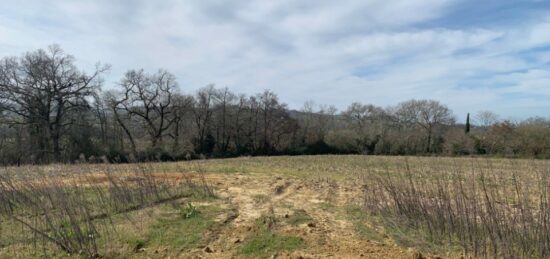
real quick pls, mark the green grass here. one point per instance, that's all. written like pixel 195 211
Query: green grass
pixel 359 218
pixel 299 217
pixel 169 228
pixel 418 238
pixel 400 233
pixel 265 242
pixel 327 206
pixel 182 230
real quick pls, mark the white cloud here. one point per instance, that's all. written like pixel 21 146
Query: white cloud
pixel 331 52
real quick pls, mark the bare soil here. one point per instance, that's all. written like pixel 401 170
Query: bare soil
pixel 329 234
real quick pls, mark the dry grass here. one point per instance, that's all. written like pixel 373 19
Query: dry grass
pixel 488 208
pixel 74 210
pixel 454 206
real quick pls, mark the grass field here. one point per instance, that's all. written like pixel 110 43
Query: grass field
pixel 309 206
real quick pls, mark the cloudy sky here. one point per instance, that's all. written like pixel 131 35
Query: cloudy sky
pixel 471 55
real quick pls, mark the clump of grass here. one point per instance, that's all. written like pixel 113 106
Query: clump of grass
pixel 264 241
pixel 260 198
pixel 189 211
pixel 327 206
pixel 419 238
pixel 356 214
pixel 182 231
pixel 299 217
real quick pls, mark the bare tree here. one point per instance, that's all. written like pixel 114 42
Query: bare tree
pixel 40 89
pixel 427 114
pixel 148 98
pixel 274 121
pixel 486 118
pixel 366 120
pixel 224 106
pixel 182 105
pixel 202 111
pixel 307 118
pixel 121 117
pixel 239 122
pixel 361 115
pixel 326 120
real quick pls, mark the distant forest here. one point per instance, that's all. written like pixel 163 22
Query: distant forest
pixel 52 111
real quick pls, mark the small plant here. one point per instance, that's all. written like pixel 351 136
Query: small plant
pixel 183 231
pixel 189 211
pixel 299 217
pixel 264 241
pixel 138 244
pixel 260 198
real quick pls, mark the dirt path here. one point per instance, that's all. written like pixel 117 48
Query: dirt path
pixel 328 234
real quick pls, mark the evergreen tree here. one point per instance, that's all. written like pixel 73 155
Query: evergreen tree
pixel 467 128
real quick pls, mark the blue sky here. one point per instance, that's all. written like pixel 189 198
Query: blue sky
pixel 471 55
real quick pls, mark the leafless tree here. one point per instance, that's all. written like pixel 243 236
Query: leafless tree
pixel 40 89
pixel 202 111
pixel 182 105
pixel 361 115
pixel 121 117
pixel 148 98
pixel 368 122
pixel 239 132
pixel 325 121
pixel 274 120
pixel 427 114
pixel 307 120
pixel 486 118
pixel 224 102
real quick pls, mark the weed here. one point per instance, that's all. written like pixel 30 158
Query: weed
pixel 182 232
pixel 189 211
pixel 299 217
pixel 356 214
pixel 264 241
pixel 260 198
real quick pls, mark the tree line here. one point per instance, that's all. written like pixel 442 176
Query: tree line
pixel 52 111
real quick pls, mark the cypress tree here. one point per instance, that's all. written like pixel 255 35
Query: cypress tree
pixel 467 128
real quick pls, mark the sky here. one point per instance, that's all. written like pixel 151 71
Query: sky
pixel 470 55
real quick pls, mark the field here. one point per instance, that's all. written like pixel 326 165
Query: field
pixel 284 207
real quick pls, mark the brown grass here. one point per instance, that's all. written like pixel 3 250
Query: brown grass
pixel 73 210
pixel 450 206
pixel 489 208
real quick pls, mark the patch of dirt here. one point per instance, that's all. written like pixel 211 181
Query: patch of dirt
pixel 329 234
